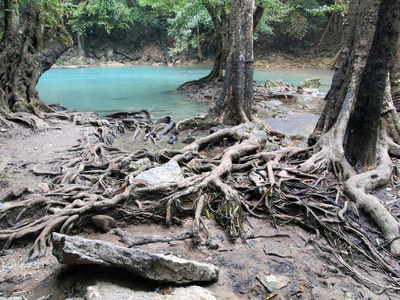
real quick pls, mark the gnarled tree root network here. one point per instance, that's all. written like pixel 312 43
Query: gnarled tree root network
pixel 229 175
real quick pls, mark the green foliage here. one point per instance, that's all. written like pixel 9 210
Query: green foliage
pixel 340 6
pixel 275 12
pixel 295 24
pixel 50 10
pixel 186 21
pixel 301 20
pixel 136 165
pixel 107 15
pixel 182 27
pixel 184 18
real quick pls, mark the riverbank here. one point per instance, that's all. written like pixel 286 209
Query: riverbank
pixel 152 55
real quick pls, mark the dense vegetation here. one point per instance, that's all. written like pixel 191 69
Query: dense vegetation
pixel 286 25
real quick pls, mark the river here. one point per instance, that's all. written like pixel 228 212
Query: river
pixel 110 89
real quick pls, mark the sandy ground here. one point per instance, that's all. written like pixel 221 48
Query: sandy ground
pixel 309 273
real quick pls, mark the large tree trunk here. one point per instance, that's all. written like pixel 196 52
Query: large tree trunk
pixel 361 140
pixel 395 77
pixel 352 132
pixel 220 21
pixel 351 62
pixel 234 106
pixel 221 25
pixel 27 51
pixel 163 39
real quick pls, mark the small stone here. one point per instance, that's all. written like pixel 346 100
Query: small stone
pixel 273 282
pixel 332 269
pixel 172 140
pixel 283 174
pixel 44 187
pixel 274 148
pixel 348 296
pixel 284 143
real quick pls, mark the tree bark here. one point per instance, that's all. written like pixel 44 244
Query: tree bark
pixel 27 51
pixel 359 125
pixel 351 62
pixel 163 38
pixel 258 13
pixel 361 140
pixel 234 106
pixel 11 17
pixel 364 61
pixel 220 21
pixel 395 77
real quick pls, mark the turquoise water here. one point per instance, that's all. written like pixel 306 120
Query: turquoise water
pixel 110 89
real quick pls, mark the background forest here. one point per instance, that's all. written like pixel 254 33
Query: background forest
pixel 120 30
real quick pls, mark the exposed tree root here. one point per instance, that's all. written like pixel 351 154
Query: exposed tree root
pixel 227 175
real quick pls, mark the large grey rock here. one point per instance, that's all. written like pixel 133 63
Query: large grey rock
pixel 75 250
pixel 168 172
pixel 279 86
pixel 309 85
pixel 109 52
pixel 106 291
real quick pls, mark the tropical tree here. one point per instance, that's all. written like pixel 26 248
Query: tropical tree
pixel 187 17
pixel 338 11
pixel 234 105
pixel 188 26
pixel 101 17
pixel 32 42
pixel 358 127
pixel 220 12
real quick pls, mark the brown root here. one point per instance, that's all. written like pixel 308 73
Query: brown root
pixel 227 175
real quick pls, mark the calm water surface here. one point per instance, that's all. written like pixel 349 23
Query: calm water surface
pixel 110 89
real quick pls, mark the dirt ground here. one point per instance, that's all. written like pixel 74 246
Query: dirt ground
pixel 308 272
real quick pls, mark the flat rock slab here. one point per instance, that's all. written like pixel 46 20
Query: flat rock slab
pixel 74 250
